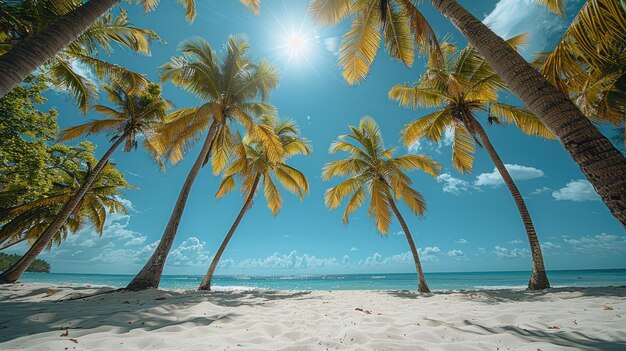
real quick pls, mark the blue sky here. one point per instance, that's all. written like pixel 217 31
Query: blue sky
pixel 471 225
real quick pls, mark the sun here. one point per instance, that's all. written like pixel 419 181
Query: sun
pixel 296 45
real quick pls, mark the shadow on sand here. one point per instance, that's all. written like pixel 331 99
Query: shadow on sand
pixel 88 308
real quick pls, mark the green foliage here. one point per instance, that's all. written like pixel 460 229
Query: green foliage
pixel 6 260
pixel 24 136
pixel 20 20
pixel 36 179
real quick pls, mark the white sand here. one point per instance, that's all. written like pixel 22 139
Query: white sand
pixel 562 319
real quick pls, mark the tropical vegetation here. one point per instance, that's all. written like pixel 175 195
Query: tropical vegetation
pixel 39 266
pixel 137 113
pixel 234 89
pixel 589 62
pixel 551 105
pixel 458 89
pixel 252 164
pixel 50 189
pixel 372 170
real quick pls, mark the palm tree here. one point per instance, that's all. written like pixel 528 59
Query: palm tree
pixel 230 88
pixel 22 20
pixel 24 58
pixel 254 167
pixel 399 22
pixel 27 221
pixel 373 169
pixel 137 114
pixel 459 89
pixel 599 160
pixel 589 62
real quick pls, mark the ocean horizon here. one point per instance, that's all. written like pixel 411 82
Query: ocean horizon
pixel 373 281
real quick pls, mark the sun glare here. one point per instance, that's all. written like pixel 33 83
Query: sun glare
pixel 296 45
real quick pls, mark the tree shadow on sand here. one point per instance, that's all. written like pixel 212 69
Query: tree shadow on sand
pixel 86 309
pixel 493 297
pixel 574 339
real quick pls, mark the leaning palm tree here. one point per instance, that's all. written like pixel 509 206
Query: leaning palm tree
pixel 136 114
pixel 599 160
pixel 33 52
pixel 24 19
pixel 373 170
pixel 458 90
pixel 254 167
pixel 233 90
pixel 589 62
pixel 27 221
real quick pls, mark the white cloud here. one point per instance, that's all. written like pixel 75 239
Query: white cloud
pixel 515 242
pixel 292 261
pixel 517 172
pixel 540 191
pixel 446 140
pixel 513 17
pixel 600 243
pixel 189 252
pixel 457 255
pixel 455 252
pixel 332 44
pixel 550 245
pixel 576 190
pixel 460 241
pixel 510 253
pixel 353 248
pixel 453 185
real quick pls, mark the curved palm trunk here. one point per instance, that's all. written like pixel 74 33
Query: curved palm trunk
pixel 421 285
pixel 206 281
pixel 11 244
pixel 24 58
pixel 600 161
pixel 538 277
pixel 150 275
pixel 14 272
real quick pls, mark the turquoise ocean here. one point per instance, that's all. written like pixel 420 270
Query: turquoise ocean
pixel 392 281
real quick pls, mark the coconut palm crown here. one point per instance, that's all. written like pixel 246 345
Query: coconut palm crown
pixel 458 90
pixel 372 170
pixel 401 24
pixel 252 164
pixel 233 90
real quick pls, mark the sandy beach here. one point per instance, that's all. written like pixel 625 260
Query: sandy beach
pixel 43 317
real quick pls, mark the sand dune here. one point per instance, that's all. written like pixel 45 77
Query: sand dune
pixel 42 317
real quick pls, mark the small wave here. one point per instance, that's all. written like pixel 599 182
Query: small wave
pixel 236 288
pixel 241 277
pixel 500 287
pixel 378 277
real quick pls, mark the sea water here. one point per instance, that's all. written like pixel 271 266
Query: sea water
pixel 391 281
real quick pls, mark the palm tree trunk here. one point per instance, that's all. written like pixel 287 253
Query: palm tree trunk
pixel 538 277
pixel 150 275
pixel 206 281
pixel 14 272
pixel 25 57
pixel 603 165
pixel 11 244
pixel 421 285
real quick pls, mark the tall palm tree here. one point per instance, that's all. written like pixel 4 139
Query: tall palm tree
pixel 589 62
pixel 401 24
pixel 27 221
pixel 599 160
pixel 254 167
pixel 24 58
pixel 373 170
pixel 136 114
pixel 458 90
pixel 233 90
pixel 24 19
